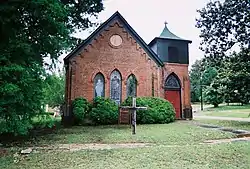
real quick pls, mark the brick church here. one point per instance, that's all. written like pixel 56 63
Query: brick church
pixel 114 61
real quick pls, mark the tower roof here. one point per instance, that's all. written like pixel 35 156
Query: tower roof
pixel 166 33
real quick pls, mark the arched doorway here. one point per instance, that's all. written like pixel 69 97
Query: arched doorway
pixel 173 93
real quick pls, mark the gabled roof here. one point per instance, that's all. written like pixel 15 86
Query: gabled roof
pixel 116 16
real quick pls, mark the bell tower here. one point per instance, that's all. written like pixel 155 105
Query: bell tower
pixel 173 51
pixel 171 48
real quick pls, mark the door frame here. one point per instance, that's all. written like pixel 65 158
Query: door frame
pixel 166 88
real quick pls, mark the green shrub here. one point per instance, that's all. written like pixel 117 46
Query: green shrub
pixel 43 121
pixel 104 111
pixel 159 110
pixel 15 125
pixel 80 108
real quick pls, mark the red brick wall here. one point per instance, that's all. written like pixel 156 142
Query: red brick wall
pixel 129 58
pixel 100 56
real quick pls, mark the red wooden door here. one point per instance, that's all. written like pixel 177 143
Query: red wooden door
pixel 173 97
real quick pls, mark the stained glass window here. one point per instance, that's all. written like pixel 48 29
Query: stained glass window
pixel 115 86
pixel 99 85
pixel 131 86
pixel 172 82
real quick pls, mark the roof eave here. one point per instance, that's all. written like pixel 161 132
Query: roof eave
pixel 189 41
pixel 152 42
pixel 150 52
pixel 89 37
pixel 157 59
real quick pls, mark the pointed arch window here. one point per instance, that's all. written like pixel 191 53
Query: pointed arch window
pixel 99 85
pixel 172 82
pixel 131 86
pixel 115 86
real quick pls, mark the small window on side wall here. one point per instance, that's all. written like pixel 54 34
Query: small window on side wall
pixel 99 85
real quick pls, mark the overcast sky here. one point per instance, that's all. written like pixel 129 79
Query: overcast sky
pixel 147 17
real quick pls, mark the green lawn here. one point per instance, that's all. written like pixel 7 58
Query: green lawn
pixel 176 145
pixel 168 134
pixel 228 111
pixel 223 156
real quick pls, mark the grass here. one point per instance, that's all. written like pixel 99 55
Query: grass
pixel 176 145
pixel 177 133
pixel 225 123
pixel 228 111
pixel 223 156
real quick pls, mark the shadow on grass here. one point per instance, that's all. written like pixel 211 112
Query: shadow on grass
pixel 60 134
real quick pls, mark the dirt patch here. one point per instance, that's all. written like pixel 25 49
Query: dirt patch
pixel 78 147
pixel 239 133
pixel 226 140
pixel 243 135
pixel 3 152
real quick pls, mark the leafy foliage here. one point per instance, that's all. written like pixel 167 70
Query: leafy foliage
pixel 214 94
pixel 104 111
pixel 43 121
pixel 20 97
pixel 206 76
pixel 159 110
pixel 31 31
pixel 80 108
pixel 201 74
pixel 232 78
pixel 235 77
pixel 195 76
pixel 209 75
pixel 37 29
pixel 54 86
pixel 223 25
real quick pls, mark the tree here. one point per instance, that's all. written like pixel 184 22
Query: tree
pixel 53 89
pixel 214 94
pixel 235 77
pixel 30 31
pixel 209 75
pixel 204 81
pixel 223 25
pixel 212 86
pixel 195 74
pixel 20 97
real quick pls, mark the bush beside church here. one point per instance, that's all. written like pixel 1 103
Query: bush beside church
pixel 104 111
